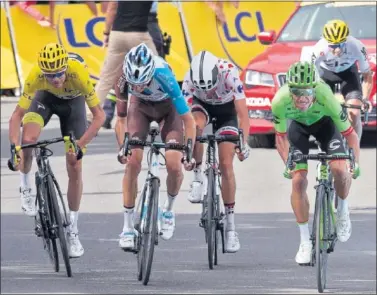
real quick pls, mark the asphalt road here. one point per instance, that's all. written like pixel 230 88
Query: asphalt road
pixel 268 233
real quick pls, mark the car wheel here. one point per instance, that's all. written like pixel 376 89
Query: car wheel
pixel 266 141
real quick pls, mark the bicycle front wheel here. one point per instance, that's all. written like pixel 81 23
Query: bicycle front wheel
pixel 139 230
pixel 60 220
pixel 44 221
pixel 150 231
pixel 322 237
pixel 210 222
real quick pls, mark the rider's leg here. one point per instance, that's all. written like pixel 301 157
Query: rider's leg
pixel 201 119
pixel 172 132
pixel 72 119
pixel 34 120
pixel 138 126
pixel 228 192
pixel 354 116
pixel 298 136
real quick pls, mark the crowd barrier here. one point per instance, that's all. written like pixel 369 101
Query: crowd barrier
pixel 192 25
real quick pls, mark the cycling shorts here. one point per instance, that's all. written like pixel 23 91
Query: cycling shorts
pixel 71 112
pixel 324 131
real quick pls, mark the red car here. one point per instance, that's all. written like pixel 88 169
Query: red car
pixel 266 73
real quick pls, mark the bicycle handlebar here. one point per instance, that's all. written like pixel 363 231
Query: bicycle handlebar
pixel 321 156
pixel 364 108
pixel 39 144
pixel 124 151
pixel 221 138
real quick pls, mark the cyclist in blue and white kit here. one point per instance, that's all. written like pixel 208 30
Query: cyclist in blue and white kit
pixel 155 96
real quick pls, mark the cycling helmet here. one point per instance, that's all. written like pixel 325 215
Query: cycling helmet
pixel 302 74
pixel 53 58
pixel 336 31
pixel 139 65
pixel 204 71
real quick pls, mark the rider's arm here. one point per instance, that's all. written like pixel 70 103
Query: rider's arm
pixel 280 124
pixel 169 84
pixel 22 106
pixel 240 103
pixel 86 88
pixel 339 116
pixel 121 92
pixel 364 68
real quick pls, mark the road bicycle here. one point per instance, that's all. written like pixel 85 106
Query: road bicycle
pixel 212 216
pixel 323 236
pixel 148 220
pixel 52 220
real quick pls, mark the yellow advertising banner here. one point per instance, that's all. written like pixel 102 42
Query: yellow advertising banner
pixel 81 32
pixel 8 74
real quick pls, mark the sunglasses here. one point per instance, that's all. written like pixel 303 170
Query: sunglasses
pixel 302 92
pixel 54 75
pixel 335 46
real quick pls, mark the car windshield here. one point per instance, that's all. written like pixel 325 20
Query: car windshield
pixel 308 21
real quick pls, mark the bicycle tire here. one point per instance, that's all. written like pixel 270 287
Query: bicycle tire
pixel 59 222
pixel 45 221
pixel 321 236
pixel 210 222
pixel 138 241
pixel 149 237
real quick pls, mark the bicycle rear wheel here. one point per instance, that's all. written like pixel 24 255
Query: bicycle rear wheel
pixel 60 220
pixel 150 231
pixel 322 237
pixel 44 223
pixel 210 222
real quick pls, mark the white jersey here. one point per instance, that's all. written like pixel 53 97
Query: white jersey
pixel 353 51
pixel 229 87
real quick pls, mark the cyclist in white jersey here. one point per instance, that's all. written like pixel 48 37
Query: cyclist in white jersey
pixel 335 56
pixel 213 88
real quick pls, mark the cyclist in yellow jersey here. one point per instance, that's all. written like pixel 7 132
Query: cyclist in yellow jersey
pixel 60 85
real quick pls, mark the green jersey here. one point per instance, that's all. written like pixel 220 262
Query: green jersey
pixel 325 104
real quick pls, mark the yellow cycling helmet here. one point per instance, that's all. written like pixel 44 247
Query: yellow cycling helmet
pixel 52 58
pixel 336 31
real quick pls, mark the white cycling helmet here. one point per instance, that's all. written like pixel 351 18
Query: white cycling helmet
pixel 204 71
pixel 139 65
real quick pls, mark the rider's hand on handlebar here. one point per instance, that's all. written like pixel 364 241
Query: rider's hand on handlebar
pixel 287 173
pixel 14 164
pixel 188 166
pixel 355 171
pixel 121 157
pixel 244 153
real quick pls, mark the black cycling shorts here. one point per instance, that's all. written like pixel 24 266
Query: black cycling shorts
pixel 225 114
pixel 71 112
pixel 349 80
pixel 325 133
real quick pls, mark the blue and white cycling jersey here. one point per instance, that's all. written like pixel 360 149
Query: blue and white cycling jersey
pixel 163 86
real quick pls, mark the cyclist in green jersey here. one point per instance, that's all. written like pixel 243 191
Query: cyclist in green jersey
pixel 312 109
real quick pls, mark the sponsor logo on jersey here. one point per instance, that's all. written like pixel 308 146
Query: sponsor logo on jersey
pixel 343 115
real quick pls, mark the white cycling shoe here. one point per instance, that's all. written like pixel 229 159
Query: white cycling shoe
pixel 127 239
pixel 343 226
pixel 167 224
pixel 28 202
pixel 232 243
pixel 304 253
pixel 75 249
pixel 196 192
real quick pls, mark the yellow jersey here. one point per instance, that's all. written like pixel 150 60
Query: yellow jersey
pixel 77 83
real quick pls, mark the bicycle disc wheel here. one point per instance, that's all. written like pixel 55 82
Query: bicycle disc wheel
pixel 149 236
pixel 321 242
pixel 139 239
pixel 59 219
pixel 210 222
pixel 45 221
